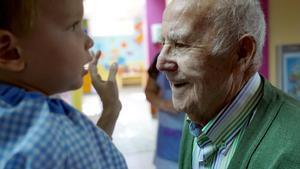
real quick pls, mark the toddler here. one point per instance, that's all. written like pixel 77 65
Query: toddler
pixel 43 51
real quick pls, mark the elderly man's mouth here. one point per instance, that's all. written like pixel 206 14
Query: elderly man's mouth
pixel 178 85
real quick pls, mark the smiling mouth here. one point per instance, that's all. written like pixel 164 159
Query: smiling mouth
pixel 86 67
pixel 177 85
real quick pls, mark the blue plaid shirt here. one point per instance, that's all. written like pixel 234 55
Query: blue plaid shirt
pixel 37 132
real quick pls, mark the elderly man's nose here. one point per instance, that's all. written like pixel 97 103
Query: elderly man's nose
pixel 166 65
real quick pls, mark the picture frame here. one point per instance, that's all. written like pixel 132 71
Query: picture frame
pixel 289 69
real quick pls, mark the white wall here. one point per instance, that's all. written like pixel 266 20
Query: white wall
pixel 112 17
pixel 284 29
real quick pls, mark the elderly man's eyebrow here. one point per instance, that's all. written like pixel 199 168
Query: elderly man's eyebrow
pixel 177 38
pixel 171 38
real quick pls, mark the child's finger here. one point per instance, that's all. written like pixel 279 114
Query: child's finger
pixel 112 72
pixel 93 65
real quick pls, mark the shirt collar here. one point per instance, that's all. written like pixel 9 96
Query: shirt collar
pixel 231 118
pixel 13 96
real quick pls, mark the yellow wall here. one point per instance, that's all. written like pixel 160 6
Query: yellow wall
pixel 284 29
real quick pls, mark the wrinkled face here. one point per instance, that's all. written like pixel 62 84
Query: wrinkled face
pixel 201 83
pixel 56 49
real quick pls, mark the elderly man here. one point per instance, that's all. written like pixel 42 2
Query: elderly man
pixel 211 53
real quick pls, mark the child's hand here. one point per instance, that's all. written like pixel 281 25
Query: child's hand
pixel 108 92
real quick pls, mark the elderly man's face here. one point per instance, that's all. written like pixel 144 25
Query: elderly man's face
pixel 200 82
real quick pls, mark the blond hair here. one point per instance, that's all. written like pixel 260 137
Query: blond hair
pixel 17 16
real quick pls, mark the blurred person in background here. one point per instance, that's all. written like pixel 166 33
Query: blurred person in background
pixel 170 121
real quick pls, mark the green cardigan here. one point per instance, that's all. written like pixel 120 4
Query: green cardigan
pixel 271 141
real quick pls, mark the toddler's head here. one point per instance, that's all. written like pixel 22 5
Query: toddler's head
pixel 42 44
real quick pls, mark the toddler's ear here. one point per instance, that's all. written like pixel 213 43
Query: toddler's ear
pixel 10 58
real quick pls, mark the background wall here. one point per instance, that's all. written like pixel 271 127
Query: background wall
pixel 117 31
pixel 264 70
pixel 284 26
pixel 153 15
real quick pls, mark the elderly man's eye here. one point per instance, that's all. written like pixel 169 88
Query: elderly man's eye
pixel 181 45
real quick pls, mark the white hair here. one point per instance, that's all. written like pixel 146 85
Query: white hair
pixel 231 19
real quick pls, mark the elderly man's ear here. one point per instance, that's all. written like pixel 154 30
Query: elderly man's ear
pixel 10 58
pixel 246 50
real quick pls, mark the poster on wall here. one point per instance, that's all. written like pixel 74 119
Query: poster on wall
pixel 126 50
pixel 289 69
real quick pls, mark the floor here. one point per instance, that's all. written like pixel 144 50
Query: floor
pixel 135 132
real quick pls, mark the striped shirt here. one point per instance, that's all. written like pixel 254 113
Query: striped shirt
pixel 215 143
pixel 37 132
